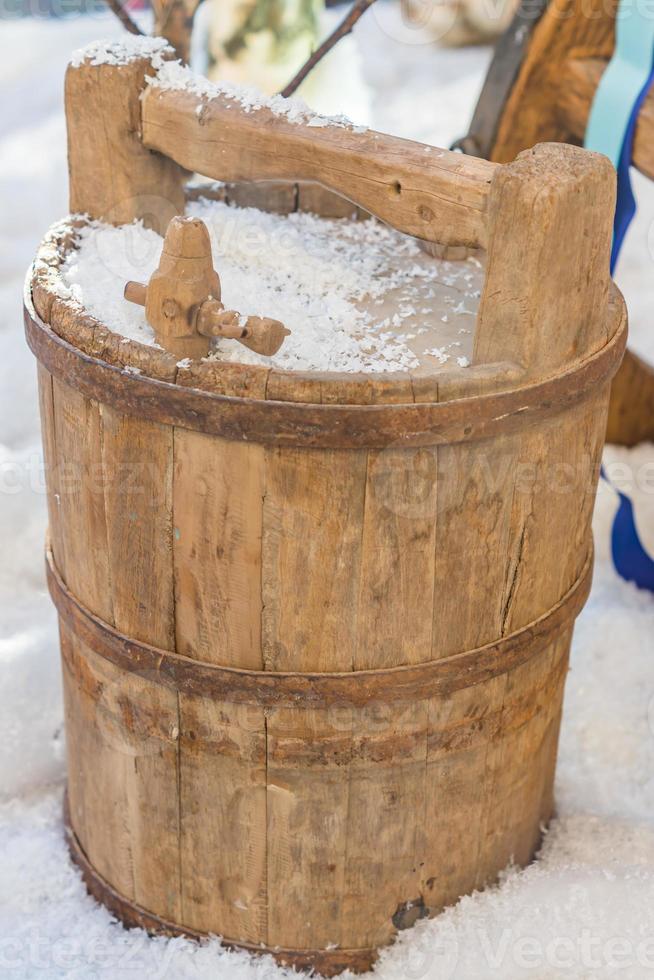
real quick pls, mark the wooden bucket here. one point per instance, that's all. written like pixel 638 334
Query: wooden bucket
pixel 315 628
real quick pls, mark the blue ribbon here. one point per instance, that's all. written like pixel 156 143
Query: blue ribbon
pixel 629 557
pixel 626 202
pixel 611 127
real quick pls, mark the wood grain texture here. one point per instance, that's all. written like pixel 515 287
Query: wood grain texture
pixel 122 753
pixel 433 194
pixel 137 460
pixel 222 803
pixel 631 411
pixel 311 558
pixel 551 100
pixel 579 80
pixel 540 219
pixel 568 28
pixel 234 769
pixel 218 492
pixel 398 546
pixel 112 176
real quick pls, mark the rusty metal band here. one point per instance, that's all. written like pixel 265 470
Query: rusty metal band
pixel 304 425
pixel 327 963
pixel 318 690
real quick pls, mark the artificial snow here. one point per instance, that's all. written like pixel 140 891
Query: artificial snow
pixel 129 47
pixel 349 291
pixel 584 910
pixel 174 76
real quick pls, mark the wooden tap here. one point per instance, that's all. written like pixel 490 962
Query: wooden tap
pixel 182 300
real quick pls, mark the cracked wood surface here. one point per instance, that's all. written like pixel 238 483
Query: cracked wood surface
pixel 430 193
pixel 314 826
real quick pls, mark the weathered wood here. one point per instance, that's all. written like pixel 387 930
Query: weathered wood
pixel 113 177
pixel 550 99
pixel 222 802
pixel 218 492
pixel 313 512
pixel 345 618
pixel 541 219
pixel 331 426
pixel 182 299
pixel 398 545
pixel 137 462
pixel 325 690
pixel 631 413
pixel 568 28
pixel 430 193
pixel 577 87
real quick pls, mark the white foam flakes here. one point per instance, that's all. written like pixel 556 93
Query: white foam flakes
pixel 120 52
pixel 173 76
pixel 322 278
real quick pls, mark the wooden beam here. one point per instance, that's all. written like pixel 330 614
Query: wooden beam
pixel 112 177
pixel 432 194
pixel 579 81
pixel 547 276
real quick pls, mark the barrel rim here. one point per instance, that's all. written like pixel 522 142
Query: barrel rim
pixel 234 378
pixel 324 426
pixel 326 962
pixel 257 382
pixel 355 689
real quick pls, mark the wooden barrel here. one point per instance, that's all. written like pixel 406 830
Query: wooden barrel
pixel 315 628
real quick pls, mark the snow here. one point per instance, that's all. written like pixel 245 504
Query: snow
pixel 174 76
pixel 346 290
pixel 129 47
pixel 585 908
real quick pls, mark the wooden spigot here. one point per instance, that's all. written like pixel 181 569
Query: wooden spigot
pixel 182 300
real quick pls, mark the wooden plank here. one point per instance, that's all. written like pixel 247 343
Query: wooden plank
pixel 386 809
pixel 472 541
pixel 430 193
pixel 308 803
pixel 137 458
pixel 396 591
pixel 223 818
pixel 312 517
pixel 557 469
pixel 461 728
pixel 519 766
pixel 78 439
pixel 122 731
pixel 218 502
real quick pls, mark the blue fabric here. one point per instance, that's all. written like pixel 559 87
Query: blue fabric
pixel 611 128
pixel 631 560
pixel 622 83
pixel 626 202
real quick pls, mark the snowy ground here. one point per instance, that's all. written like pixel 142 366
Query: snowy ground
pixel 585 908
